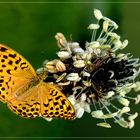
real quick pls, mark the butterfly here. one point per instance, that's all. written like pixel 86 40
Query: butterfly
pixel 25 92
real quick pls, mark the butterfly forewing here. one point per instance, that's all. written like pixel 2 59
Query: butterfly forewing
pixel 15 72
pixel 13 63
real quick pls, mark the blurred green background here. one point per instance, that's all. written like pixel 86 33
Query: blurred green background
pixel 29 28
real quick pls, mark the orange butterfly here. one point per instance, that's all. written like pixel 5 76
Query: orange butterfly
pixel 26 93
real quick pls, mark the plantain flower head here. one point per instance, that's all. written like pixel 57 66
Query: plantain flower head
pixel 97 79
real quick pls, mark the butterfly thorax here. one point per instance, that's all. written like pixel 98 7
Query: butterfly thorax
pixel 42 76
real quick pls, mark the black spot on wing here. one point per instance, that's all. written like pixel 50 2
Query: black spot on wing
pixel 10 62
pixel 24 65
pixel 8 71
pixel 12 55
pixel 2 60
pixel 18 61
pixel 1 81
pixel 15 68
pixel 3 65
pixel 46 105
pixel 2 49
pixel 58 97
pixel 5 56
pixel 63 101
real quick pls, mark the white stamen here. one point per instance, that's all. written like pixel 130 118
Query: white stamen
pixel 51 68
pixel 137 88
pixel 75 47
pixel 124 44
pixel 79 63
pixel 73 77
pixel 97 113
pixel 94 44
pixel 122 122
pixel 109 94
pixel 110 115
pixel 106 125
pixel 124 101
pixel 83 97
pixel 122 56
pixel 137 99
pixel 48 119
pixel 111 22
pixel 64 54
pixel 98 15
pixel 78 50
pixel 105 26
pixel 86 74
pixel 113 35
pixel 60 66
pixel 64 84
pixel 112 73
pixel 61 77
pixel 122 93
pixel 87 107
pixel 87 56
pixel 93 26
pixel 105 47
pixel 61 40
pixel 86 83
pixel 101 40
pixel 97 51
pixel 114 24
pixel 79 112
pixel 131 124
pixel 133 116
pixel 124 110
pixel 72 99
pixel 117 45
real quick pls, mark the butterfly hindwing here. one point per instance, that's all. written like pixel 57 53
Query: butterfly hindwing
pixel 47 101
pixel 28 104
pixel 55 104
